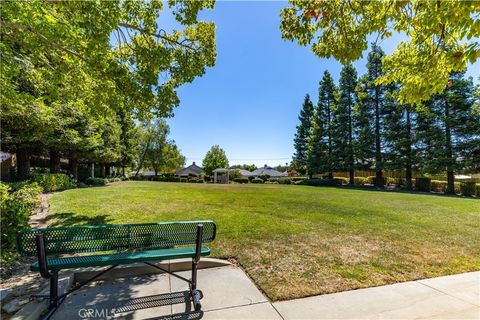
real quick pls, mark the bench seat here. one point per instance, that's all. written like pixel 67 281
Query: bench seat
pixel 56 264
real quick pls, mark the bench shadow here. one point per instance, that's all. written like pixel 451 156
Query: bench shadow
pixel 71 219
pixel 119 299
pixel 181 316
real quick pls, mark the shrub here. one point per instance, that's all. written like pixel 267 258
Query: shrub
pixel 96 181
pixel 192 180
pixel 207 178
pixel 183 179
pixel 341 180
pixel 390 181
pixel 438 186
pixel 423 184
pixel 322 182
pixel 257 181
pixel 457 187
pixel 29 194
pixel 296 179
pixel 467 188
pixel 359 180
pixel 16 208
pixel 371 180
pixel 264 177
pixel 241 180
pixel 284 181
pixel 271 181
pixel 234 174
pixel 53 181
pixel 477 189
pixel 82 185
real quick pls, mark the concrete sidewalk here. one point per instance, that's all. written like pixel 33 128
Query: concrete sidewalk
pixel 230 294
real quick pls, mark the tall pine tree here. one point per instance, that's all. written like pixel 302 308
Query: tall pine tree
pixel 449 131
pixel 370 109
pixel 399 123
pixel 302 135
pixel 364 144
pixel 344 121
pixel 320 157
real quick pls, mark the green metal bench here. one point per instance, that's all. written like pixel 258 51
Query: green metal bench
pixel 130 243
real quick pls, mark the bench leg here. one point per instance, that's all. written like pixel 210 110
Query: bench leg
pixel 53 291
pixel 193 287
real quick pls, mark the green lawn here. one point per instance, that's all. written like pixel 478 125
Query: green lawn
pixel 296 241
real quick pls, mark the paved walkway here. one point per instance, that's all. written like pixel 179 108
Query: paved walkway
pixel 230 294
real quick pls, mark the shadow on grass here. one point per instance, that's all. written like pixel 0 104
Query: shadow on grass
pixel 70 219
pixel 401 191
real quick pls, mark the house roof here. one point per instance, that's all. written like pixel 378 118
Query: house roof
pixel 191 169
pixel 243 172
pixel 268 171
pixel 4 156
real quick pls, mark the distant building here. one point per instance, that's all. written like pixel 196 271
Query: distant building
pixel 268 171
pixel 191 170
pixel 244 173
pixel 7 161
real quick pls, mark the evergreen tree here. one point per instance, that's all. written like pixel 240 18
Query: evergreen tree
pixel 301 137
pixel 371 109
pixel 344 120
pixel 449 131
pixel 376 99
pixel 320 145
pixel 399 120
pixel 364 144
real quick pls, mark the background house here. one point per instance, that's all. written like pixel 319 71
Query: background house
pixel 268 171
pixel 191 170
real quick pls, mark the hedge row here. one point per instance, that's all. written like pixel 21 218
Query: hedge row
pixel 423 184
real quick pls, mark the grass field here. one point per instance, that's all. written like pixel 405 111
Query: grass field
pixel 296 241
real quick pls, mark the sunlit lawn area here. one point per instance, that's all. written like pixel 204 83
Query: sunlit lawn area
pixel 296 241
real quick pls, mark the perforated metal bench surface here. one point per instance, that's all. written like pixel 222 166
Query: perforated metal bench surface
pixel 114 245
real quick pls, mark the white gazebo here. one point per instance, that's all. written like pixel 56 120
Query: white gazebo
pixel 221 179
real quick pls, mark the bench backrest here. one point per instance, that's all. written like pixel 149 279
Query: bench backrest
pixel 114 237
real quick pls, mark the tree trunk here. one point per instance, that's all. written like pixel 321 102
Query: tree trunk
pixel 449 152
pixel 408 153
pixel 378 153
pixel 102 170
pixel 107 170
pixel 73 167
pixel 123 171
pixel 23 163
pixel 350 147
pixel 330 149
pixel 142 160
pixel 54 161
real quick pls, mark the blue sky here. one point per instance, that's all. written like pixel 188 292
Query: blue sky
pixel 249 102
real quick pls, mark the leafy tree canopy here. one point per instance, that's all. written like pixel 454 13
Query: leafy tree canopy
pixel 215 158
pixel 442 37
pixel 110 53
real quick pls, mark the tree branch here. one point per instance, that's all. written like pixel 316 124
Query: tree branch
pixel 41 36
pixel 157 35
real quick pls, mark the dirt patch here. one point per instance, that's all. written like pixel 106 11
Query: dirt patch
pixel 39 217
